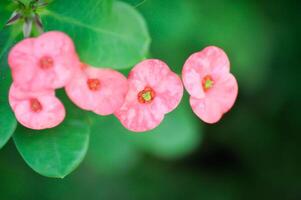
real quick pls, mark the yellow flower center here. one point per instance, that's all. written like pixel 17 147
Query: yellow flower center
pixel 207 83
pixel 147 95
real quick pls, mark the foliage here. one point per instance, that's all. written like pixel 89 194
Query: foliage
pixel 253 153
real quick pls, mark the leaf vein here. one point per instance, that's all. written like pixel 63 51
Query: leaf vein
pixel 78 23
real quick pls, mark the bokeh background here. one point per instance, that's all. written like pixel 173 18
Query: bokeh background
pixel 252 153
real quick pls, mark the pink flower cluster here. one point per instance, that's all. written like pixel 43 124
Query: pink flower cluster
pixel 140 102
pixel 39 66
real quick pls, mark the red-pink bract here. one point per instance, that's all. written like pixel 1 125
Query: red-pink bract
pixel 45 62
pixel 207 78
pixel 36 110
pixel 99 90
pixel 154 90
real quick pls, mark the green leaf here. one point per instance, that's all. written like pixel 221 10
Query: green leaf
pixel 8 121
pixel 110 150
pixel 117 39
pixel 178 135
pixel 58 151
pixel 8 35
pixel 6 9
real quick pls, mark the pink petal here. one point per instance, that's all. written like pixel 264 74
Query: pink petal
pixel 207 110
pixel 105 101
pixel 157 75
pixel 25 58
pixel 16 94
pixel 138 118
pixel 51 115
pixel 218 100
pixel 198 65
pixel 53 43
pixel 169 92
pixel 22 61
pixel 224 92
pixel 168 89
pixel 149 72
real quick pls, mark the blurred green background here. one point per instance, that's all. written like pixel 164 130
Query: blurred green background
pixel 252 153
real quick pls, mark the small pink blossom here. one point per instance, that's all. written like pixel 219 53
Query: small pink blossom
pixel 97 89
pixel 36 110
pixel 154 90
pixel 207 78
pixel 46 62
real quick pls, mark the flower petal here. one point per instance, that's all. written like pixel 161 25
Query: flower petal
pixel 26 57
pixel 22 62
pixel 16 94
pixel 149 72
pixel 206 110
pixel 224 92
pixel 167 88
pixel 53 43
pixel 198 65
pixel 51 114
pixel 105 101
pixel 60 48
pixel 169 92
pixel 218 100
pixel 138 118
pixel 157 75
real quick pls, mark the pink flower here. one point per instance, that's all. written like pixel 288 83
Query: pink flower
pixel 44 62
pixel 154 90
pixel 207 78
pixel 36 110
pixel 96 89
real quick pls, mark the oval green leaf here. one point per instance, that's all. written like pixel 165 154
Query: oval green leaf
pixel 110 151
pixel 6 9
pixel 8 37
pixel 58 151
pixel 8 121
pixel 118 38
